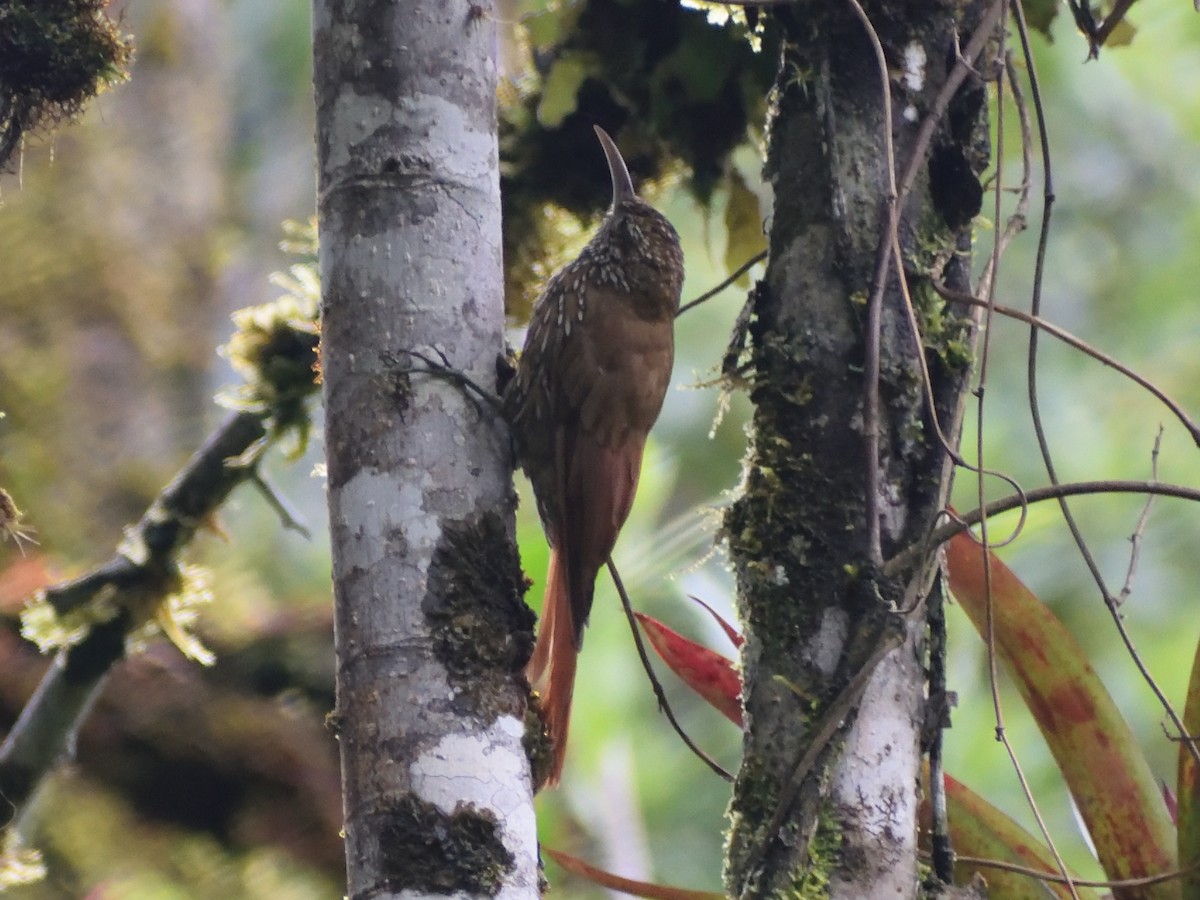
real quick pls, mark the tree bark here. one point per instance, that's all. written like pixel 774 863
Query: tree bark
pixel 431 630
pixel 825 801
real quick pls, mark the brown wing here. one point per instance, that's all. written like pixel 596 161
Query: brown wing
pixel 614 377
pixel 588 388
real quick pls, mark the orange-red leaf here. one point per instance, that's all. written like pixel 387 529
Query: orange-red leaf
pixel 1096 752
pixel 613 882
pixel 730 632
pixel 705 671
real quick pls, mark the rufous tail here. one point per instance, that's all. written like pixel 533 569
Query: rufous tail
pixel 551 669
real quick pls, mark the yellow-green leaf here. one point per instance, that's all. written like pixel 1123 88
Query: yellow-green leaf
pixel 1121 35
pixel 562 84
pixel 1188 788
pixel 743 226
pixel 1101 762
pixel 980 830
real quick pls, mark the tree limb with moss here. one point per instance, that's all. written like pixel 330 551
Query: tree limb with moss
pixel 92 621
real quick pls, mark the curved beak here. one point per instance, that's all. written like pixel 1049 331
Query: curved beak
pixel 622 185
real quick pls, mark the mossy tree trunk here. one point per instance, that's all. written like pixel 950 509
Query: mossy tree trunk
pixel 825 801
pixel 431 630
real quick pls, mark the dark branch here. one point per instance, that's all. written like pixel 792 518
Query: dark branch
pixel 48 724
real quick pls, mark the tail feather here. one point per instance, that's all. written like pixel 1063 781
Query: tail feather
pixel 551 669
pixel 535 669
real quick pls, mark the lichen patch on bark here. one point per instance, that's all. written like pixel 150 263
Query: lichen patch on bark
pixel 427 850
pixel 479 621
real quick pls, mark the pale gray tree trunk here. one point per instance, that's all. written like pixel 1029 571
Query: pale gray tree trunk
pixel 826 799
pixel 431 629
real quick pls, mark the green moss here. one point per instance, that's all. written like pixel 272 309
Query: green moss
pixel 275 349
pixel 54 57
pixel 42 624
pixel 539 749
pixel 19 865
pixel 824 854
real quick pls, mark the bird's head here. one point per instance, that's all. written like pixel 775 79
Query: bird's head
pixel 636 230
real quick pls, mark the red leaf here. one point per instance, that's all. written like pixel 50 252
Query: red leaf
pixel 730 632
pixel 705 671
pixel 613 882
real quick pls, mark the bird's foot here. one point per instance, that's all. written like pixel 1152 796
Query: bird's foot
pixel 442 368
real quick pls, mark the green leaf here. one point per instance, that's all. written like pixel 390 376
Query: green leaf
pixel 562 84
pixel 549 27
pixel 1039 14
pixel 1121 35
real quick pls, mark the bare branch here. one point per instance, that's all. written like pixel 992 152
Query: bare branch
pixel 734 276
pixel 655 685
pixel 963 521
pixel 1079 344
pixel 1139 530
pixel 53 715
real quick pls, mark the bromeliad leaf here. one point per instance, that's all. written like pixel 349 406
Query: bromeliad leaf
pixel 1105 770
pixel 705 671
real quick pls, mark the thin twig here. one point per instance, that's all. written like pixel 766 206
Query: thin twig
pixel 897 198
pixel 1083 346
pixel 980 393
pixel 1081 12
pixel 1035 411
pixel 655 685
pixel 1019 220
pixel 963 521
pixel 709 294
pixel 875 303
pixel 287 515
pixel 1139 530
pixel 1041 875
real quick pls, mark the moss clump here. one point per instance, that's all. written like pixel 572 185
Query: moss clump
pixel 55 55
pixel 275 348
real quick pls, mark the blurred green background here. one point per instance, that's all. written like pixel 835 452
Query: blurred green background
pixel 127 239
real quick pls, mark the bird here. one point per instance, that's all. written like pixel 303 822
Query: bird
pixel 589 385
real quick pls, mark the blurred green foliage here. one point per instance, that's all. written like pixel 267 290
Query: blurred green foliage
pixel 679 94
